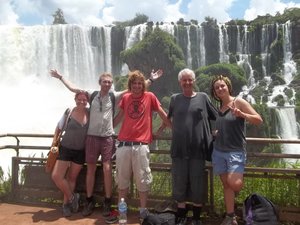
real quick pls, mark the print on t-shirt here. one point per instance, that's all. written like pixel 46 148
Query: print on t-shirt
pixel 136 109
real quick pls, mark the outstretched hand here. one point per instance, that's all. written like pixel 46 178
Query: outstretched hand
pixel 156 75
pixel 55 74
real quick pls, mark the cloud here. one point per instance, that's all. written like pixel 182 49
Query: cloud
pixel 7 14
pixel 173 13
pixel 102 12
pixel 156 10
pixel 212 8
pixel 260 8
pixel 83 12
pixel 40 11
pixel 167 11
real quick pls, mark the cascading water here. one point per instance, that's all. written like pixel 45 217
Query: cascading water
pixel 202 51
pixel 288 128
pixel 189 57
pixel 286 114
pixel 33 101
pixel 243 61
pixel 223 43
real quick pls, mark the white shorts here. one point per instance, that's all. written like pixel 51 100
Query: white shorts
pixel 133 160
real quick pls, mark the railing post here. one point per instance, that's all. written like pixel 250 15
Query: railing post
pixel 15 176
pixel 18 146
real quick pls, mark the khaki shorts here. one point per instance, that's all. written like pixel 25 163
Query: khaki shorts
pixel 133 160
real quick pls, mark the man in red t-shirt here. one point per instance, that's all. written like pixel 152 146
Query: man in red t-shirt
pixel 132 156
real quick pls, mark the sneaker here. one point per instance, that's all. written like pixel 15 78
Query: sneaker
pixel 66 210
pixel 75 202
pixel 88 208
pixel 181 221
pixel 113 217
pixel 106 209
pixel 229 221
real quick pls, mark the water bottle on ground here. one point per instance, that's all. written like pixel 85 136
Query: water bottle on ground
pixel 122 212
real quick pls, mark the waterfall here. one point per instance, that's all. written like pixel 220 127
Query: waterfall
pixel 289 68
pixel 244 57
pixel 189 57
pixel 288 128
pixel 167 27
pixel 201 41
pixel 223 43
pixel 244 61
pixel 35 101
pixel 289 65
pixel 134 34
pixel 287 118
pixel 266 36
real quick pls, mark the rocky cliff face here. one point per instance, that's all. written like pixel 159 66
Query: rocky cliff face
pixel 296 42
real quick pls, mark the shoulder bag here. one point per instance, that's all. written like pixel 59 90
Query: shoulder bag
pixel 54 150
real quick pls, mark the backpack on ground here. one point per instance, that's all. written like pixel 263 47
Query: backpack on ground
pixel 258 210
pixel 164 214
pixel 159 219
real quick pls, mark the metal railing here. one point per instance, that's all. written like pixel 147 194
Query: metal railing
pixel 164 167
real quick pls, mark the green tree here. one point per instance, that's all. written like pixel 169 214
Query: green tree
pixel 58 17
pixel 205 74
pixel 157 50
pixel 138 19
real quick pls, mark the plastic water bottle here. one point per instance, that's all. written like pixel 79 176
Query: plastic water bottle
pixel 122 212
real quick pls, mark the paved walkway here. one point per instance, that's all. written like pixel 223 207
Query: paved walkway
pixel 25 214
pixel 18 214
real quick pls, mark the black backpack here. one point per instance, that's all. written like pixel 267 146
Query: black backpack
pixel 112 99
pixel 159 219
pixel 258 210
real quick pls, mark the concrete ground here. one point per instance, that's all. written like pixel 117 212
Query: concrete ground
pixel 26 214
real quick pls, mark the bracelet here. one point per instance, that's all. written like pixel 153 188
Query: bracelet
pixel 60 77
pixel 151 80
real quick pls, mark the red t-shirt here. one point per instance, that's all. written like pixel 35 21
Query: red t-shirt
pixel 137 123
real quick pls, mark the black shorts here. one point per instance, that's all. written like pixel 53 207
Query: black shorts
pixel 76 156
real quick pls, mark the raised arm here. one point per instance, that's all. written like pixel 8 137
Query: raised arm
pixel 243 109
pixel 67 83
pixel 154 76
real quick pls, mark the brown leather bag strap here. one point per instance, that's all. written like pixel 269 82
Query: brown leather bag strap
pixel 67 115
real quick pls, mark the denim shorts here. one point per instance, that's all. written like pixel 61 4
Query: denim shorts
pixel 228 162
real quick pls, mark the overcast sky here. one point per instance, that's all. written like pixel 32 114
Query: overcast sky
pixel 104 12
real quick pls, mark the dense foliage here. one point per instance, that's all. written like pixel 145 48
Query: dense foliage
pixel 157 50
pixel 233 71
pixel 138 19
pixel 58 17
